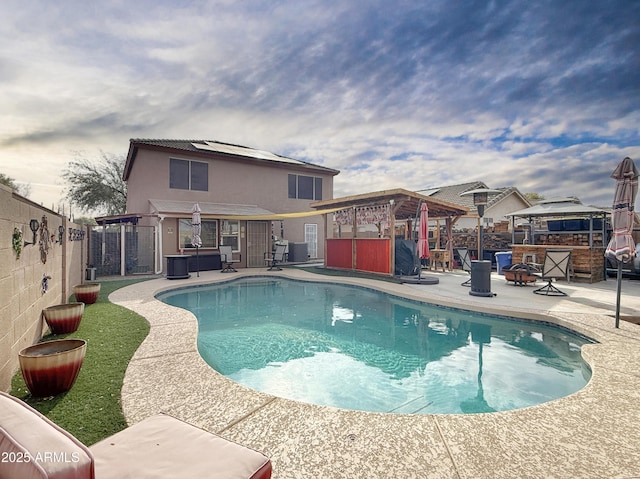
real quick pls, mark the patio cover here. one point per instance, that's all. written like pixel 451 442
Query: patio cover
pixel 225 211
pixel 558 207
pixel 405 204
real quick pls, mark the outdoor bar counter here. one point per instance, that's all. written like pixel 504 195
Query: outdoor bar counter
pixel 586 263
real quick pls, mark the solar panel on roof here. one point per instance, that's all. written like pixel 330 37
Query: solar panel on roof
pixel 244 151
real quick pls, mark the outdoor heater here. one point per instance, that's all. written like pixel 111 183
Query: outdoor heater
pixel 480 269
pixel 480 200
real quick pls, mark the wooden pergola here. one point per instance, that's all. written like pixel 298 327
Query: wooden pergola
pixel 397 205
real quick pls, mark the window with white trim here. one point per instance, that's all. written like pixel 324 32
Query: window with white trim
pixel 208 233
pixel 230 234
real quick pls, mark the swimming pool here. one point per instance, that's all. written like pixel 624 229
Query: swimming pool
pixel 356 348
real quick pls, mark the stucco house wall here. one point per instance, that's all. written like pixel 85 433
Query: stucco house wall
pixel 233 179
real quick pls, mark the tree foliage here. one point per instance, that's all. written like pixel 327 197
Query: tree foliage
pixel 23 190
pixel 97 185
pixel 534 197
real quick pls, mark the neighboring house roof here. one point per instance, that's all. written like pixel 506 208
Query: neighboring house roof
pixel 208 148
pixel 452 194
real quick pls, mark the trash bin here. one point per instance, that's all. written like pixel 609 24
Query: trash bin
pixel 481 278
pixel 503 259
pixel 90 274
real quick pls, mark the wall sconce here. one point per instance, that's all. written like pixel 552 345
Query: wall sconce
pixel 60 233
pixel 34 225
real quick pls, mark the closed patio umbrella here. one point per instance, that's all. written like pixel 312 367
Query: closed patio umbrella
pixel 196 231
pixel 423 236
pixel 622 248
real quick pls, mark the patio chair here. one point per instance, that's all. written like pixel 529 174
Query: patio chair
pixel 226 256
pixel 160 446
pixel 277 257
pixel 556 265
pixel 465 263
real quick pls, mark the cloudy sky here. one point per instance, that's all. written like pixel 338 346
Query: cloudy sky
pixel 541 95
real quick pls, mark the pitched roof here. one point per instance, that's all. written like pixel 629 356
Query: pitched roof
pixel 559 207
pixel 406 203
pixel 452 194
pixel 209 148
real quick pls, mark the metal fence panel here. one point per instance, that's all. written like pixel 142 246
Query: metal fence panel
pixel 106 249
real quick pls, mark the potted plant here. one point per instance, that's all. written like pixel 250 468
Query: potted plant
pixel 87 293
pixel 51 367
pixel 63 318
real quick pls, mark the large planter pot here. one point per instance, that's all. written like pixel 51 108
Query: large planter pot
pixel 63 318
pixel 52 367
pixel 87 293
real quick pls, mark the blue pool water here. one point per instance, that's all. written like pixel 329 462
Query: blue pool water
pixel 356 348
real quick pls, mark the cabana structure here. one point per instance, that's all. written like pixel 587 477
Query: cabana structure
pixel 569 225
pixel 365 227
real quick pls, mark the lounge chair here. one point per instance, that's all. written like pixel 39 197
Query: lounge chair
pixel 276 258
pixel 556 265
pixel 159 446
pixel 465 263
pixel 226 256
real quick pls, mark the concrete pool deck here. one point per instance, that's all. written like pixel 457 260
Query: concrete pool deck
pixel 594 433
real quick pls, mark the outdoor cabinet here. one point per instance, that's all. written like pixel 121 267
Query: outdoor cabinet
pixel 204 262
pixel 177 266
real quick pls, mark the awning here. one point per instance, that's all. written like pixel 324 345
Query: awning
pixel 227 211
pixel 118 219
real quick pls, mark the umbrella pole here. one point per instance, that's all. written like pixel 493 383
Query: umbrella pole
pixel 619 287
pixel 197 262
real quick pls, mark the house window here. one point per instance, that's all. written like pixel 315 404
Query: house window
pixel 230 234
pixel 188 175
pixel 305 187
pixel 208 234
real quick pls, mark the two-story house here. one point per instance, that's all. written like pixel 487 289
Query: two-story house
pixel 247 196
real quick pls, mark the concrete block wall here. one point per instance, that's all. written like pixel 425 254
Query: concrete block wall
pixel 21 295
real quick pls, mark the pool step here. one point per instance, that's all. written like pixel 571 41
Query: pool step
pixel 413 406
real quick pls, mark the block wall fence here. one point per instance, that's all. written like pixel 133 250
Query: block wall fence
pixel 22 298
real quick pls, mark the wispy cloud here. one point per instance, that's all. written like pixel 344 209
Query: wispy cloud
pixel 541 95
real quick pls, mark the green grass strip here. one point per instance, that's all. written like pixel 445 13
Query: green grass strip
pixel 92 410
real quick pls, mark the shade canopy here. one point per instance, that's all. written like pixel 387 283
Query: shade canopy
pixel 622 247
pixel 196 226
pixel 423 232
pixel 558 207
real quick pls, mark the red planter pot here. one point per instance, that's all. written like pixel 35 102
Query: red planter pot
pixel 52 367
pixel 87 293
pixel 63 318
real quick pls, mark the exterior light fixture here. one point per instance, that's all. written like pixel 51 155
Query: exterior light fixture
pixel 480 200
pixel 34 225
